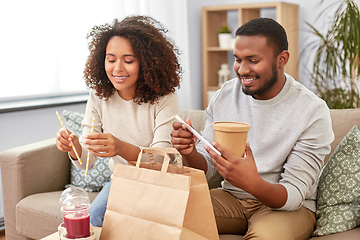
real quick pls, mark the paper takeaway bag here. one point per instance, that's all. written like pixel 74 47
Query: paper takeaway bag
pixel 158 201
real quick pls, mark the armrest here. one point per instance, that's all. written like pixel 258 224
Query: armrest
pixel 26 170
pixel 34 168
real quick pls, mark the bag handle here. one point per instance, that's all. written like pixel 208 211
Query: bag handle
pixel 161 151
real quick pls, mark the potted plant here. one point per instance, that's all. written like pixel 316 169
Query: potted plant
pixel 224 37
pixel 335 70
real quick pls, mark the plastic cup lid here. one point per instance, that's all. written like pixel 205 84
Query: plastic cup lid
pixel 74 204
pixel 72 191
pixel 74 199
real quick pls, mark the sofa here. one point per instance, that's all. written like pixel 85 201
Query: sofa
pixel 34 176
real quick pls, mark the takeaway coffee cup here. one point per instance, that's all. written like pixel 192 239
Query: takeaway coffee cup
pixel 232 136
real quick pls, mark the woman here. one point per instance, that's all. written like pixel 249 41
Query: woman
pixel 132 71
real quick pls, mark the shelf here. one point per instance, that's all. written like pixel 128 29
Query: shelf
pixel 217 49
pixel 212 88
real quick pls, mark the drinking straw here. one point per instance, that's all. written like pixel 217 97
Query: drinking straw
pixel 73 146
pixel 88 156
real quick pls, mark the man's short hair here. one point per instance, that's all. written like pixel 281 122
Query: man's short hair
pixel 266 27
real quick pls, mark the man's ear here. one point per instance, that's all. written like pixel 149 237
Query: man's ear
pixel 282 59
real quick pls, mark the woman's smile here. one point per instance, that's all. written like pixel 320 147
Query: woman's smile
pixel 120 79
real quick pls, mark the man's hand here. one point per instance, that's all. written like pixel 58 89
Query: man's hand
pixel 182 139
pixel 240 172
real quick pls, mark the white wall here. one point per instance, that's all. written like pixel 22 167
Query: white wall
pixel 24 127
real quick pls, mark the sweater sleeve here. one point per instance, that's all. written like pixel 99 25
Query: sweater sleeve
pixel 165 110
pixel 306 159
pixel 208 134
pixel 90 113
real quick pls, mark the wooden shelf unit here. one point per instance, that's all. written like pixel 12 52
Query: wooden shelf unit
pixel 213 17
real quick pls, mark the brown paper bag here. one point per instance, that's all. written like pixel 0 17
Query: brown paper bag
pixel 158 201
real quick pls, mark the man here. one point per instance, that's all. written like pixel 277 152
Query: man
pixel 271 192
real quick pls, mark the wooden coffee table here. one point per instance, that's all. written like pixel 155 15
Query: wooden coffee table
pixel 55 236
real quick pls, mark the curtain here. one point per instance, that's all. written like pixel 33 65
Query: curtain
pixel 173 15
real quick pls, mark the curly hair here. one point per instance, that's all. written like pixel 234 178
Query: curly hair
pixel 160 70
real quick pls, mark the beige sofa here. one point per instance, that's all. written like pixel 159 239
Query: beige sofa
pixel 34 176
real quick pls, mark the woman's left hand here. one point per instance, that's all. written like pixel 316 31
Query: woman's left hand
pixel 103 144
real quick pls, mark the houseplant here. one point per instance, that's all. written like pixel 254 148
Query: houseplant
pixel 224 36
pixel 335 70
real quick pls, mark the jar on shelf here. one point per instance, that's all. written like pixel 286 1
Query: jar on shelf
pixel 224 74
pixel 224 37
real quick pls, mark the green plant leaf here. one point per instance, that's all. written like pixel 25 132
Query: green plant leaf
pixel 225 29
pixel 336 65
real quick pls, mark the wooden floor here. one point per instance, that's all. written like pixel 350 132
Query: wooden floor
pixel 2 235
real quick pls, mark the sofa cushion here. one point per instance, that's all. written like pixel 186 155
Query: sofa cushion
pixel 338 199
pixel 197 118
pixel 352 234
pixel 342 120
pixel 100 174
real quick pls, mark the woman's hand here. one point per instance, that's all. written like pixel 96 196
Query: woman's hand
pixel 63 142
pixel 103 144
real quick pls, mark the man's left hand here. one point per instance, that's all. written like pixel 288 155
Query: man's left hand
pixel 240 172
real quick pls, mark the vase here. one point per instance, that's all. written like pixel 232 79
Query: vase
pixel 224 40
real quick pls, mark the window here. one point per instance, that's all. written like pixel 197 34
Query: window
pixel 43 48
pixel 43 45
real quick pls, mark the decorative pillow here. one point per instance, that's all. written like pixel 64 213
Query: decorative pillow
pixel 100 174
pixel 338 198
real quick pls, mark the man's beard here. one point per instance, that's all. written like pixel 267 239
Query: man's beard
pixel 266 86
